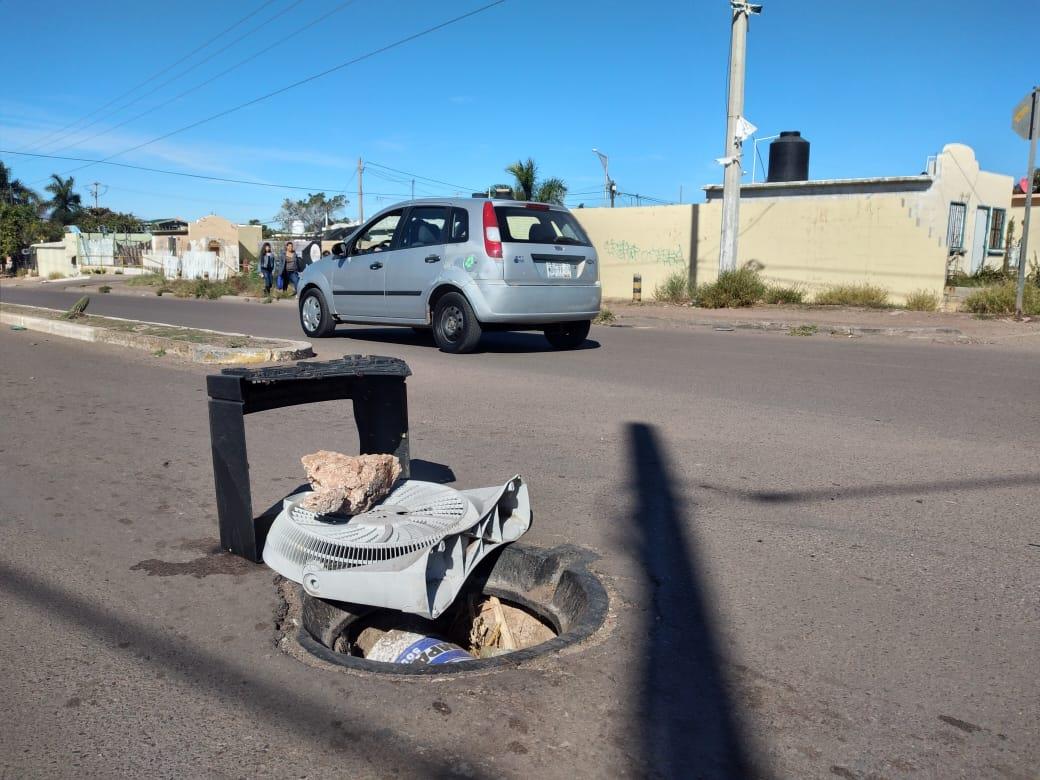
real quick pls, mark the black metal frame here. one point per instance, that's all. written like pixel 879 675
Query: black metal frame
pixel 375 384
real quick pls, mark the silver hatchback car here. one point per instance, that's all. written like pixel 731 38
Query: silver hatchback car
pixel 460 266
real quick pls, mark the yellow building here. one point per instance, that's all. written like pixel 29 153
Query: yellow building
pixel 897 232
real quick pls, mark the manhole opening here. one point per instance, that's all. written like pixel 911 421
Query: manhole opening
pixel 483 625
pixel 520 603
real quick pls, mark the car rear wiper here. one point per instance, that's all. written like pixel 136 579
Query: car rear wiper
pixel 566 240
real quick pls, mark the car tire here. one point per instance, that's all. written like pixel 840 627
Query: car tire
pixel 568 335
pixel 315 317
pixel 455 326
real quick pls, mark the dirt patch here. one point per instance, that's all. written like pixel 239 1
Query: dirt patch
pixel 957 723
pixel 218 563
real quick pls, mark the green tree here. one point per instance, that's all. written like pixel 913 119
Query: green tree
pixel 20 226
pixel 526 174
pixel 314 211
pixel 13 191
pixel 528 187
pixel 551 191
pixel 65 205
pixel 108 221
pixel 265 232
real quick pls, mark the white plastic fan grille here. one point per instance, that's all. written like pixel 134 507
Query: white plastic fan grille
pixel 412 552
pixel 413 517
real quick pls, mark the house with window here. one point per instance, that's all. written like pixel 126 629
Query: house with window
pixel 1017 215
pixel 975 205
pixel 903 233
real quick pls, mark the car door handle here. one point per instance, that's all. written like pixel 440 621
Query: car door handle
pixel 433 258
pixel 376 265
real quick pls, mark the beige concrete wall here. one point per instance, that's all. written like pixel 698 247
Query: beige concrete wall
pixel 652 241
pixel 54 257
pixel 817 242
pixel 213 228
pixel 1017 212
pixel 813 242
pixel 250 237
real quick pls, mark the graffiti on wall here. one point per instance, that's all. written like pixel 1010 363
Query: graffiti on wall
pixel 628 252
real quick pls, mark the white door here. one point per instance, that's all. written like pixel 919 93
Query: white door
pixel 979 239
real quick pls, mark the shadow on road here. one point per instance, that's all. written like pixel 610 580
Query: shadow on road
pixel 380 750
pixel 910 489
pixel 495 342
pixel 689 727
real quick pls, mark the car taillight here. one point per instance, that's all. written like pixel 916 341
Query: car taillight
pixel 537 206
pixel 492 235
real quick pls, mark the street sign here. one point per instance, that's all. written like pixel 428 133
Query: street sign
pixel 1021 117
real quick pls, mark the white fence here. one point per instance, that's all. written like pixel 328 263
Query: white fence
pixel 192 264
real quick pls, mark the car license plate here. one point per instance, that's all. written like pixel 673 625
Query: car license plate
pixel 559 270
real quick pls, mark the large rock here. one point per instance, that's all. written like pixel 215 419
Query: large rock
pixel 348 484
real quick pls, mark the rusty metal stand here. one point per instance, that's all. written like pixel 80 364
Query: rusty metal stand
pixel 375 384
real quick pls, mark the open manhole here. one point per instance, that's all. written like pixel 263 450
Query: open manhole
pixel 521 603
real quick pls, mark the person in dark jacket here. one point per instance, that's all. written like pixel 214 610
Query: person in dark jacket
pixel 279 270
pixel 267 266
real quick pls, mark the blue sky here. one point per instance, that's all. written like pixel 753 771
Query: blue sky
pixel 876 86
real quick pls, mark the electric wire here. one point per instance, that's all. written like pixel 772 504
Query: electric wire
pixel 425 178
pixel 152 109
pixel 171 173
pixel 367 55
pixel 39 143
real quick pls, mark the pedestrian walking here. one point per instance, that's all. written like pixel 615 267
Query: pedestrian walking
pixel 279 271
pixel 267 261
pixel 292 265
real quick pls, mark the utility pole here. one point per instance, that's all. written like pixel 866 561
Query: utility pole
pixel 1023 257
pixel 95 186
pixel 413 189
pixel 360 191
pixel 734 139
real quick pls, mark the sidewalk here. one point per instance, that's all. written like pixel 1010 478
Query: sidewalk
pixel 943 326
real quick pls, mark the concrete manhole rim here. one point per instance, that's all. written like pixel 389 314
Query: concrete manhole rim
pixel 567 562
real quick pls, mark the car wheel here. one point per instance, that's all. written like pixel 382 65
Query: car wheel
pixel 315 318
pixel 455 327
pixel 568 335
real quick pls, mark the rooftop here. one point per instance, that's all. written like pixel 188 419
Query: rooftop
pixel 827 187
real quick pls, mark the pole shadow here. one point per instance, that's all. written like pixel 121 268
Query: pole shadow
pixel 688 724
pixel 378 749
pixel 838 493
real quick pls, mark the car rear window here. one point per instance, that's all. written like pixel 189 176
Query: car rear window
pixel 533 226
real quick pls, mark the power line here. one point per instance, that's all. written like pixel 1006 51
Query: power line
pixel 44 142
pixel 326 72
pixel 417 176
pixel 188 91
pixel 169 173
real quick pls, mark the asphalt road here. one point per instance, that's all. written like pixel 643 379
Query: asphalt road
pixel 822 555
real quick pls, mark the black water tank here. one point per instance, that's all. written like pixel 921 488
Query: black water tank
pixel 789 157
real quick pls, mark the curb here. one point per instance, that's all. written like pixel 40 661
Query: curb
pixel 197 353
pixel 844 330
pixel 784 325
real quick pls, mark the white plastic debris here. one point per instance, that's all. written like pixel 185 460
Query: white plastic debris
pixel 412 552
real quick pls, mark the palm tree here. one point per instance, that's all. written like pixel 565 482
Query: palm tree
pixel 529 188
pixel 13 191
pixel 525 173
pixel 65 205
pixel 551 191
